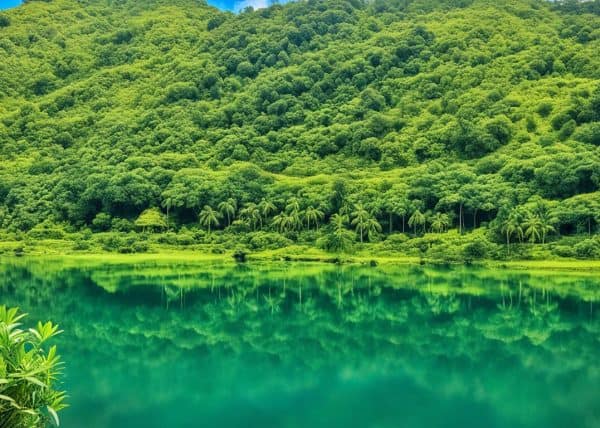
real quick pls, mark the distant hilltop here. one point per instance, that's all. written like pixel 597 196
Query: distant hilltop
pixel 228 5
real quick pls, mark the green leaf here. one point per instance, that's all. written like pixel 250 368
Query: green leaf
pixel 54 415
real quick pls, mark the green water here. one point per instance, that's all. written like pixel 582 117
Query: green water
pixel 173 345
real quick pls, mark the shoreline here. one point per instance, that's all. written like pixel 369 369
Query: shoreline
pixel 167 255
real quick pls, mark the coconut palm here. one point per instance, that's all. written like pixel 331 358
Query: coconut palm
pixel 227 208
pixel 511 226
pixel 546 223
pixel 440 222
pixel 266 208
pixel 209 217
pixel 284 222
pixel 293 205
pixel 360 218
pixel 416 219
pixel 312 214
pixel 533 228
pixel 168 203
pixel 339 220
pixel 340 238
pixel 251 214
pixel 373 229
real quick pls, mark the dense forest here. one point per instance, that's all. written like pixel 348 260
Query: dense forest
pixel 413 126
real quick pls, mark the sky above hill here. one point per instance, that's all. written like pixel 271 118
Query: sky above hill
pixel 231 5
pixel 5 4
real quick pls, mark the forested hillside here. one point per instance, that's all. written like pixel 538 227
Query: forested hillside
pixel 319 122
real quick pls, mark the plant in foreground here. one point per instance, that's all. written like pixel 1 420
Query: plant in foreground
pixel 28 373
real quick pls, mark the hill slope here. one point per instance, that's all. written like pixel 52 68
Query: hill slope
pixel 463 108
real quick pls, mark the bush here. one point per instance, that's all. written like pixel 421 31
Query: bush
pixel 267 241
pixel 122 225
pixel 46 231
pixel 81 245
pixel 476 249
pixel 124 244
pixel 101 222
pixel 28 373
pixel 587 249
pixel 395 242
pixel 564 251
pixel 172 238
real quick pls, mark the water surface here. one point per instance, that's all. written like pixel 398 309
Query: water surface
pixel 283 345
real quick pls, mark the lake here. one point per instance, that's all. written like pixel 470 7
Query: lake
pixel 173 344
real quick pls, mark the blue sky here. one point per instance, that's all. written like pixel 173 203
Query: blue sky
pixel 233 5
pixel 5 4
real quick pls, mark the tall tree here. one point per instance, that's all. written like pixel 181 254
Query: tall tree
pixel 227 208
pixel 440 222
pixel 209 217
pixel 360 219
pixel 416 219
pixel 313 215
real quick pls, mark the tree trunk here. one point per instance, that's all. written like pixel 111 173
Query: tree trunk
pixel 460 215
pixel 403 223
pixel 167 217
pixel 390 228
pixel 475 218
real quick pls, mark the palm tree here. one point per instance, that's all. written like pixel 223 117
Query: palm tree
pixel 533 228
pixel 360 218
pixel 440 222
pixel 312 214
pixel 341 238
pixel 266 208
pixel 512 225
pixel 251 214
pixel 373 228
pixel 292 205
pixel 284 222
pixel 168 203
pixel 546 221
pixel 209 217
pixel 227 208
pixel 416 219
pixel 339 220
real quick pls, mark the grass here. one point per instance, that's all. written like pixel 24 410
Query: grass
pixel 295 253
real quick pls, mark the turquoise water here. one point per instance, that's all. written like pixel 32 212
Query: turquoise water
pixel 175 345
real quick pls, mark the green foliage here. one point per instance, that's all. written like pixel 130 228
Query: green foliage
pixel 28 373
pixel 430 116
pixel 151 219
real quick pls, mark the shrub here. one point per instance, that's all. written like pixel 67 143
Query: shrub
pixel 101 222
pixel 476 249
pixel 587 249
pixel 395 242
pixel 564 251
pixel 28 373
pixel 267 241
pixel 46 231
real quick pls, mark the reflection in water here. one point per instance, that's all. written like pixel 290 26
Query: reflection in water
pixel 284 345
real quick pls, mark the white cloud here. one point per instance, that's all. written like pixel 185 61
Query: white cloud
pixel 256 4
